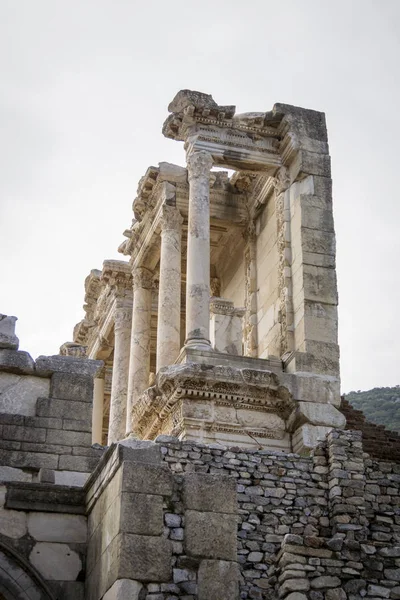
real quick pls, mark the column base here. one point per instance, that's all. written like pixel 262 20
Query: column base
pixel 198 344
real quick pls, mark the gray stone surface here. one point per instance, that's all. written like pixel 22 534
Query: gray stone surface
pixel 141 514
pixel 146 479
pixel 210 535
pixel 19 393
pixel 47 365
pixel 214 493
pixel 71 386
pixel 55 561
pixel 124 589
pixel 8 339
pixel 145 558
pixel 52 527
pixel 218 580
pixel 12 361
pixel 12 474
pixel 50 407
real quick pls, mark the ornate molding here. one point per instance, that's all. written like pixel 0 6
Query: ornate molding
pixel 142 278
pixel 199 165
pixel 228 387
pixel 281 181
pixel 73 349
pixel 221 306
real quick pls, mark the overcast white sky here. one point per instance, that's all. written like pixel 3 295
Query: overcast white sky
pixel 85 86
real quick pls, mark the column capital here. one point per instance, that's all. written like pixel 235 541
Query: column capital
pixel 199 164
pixel 142 278
pixel 170 219
pixel 122 317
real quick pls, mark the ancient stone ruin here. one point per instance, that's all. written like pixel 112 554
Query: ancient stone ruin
pixel 190 442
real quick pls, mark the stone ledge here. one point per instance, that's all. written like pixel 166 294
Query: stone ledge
pixel 45 497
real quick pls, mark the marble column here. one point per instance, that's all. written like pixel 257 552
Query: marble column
pixel 198 252
pixel 139 367
pixel 97 413
pixel 169 295
pixel 119 383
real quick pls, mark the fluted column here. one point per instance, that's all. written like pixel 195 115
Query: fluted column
pixel 139 367
pixel 119 384
pixel 97 413
pixel 198 252
pixel 169 295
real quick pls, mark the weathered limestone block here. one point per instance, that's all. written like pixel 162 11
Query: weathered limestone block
pixel 317 413
pixel 146 479
pixel 123 589
pixel 13 523
pixel 218 580
pixel 55 561
pixel 8 339
pixel 141 513
pixel 209 493
pixel 145 558
pixel 19 362
pixel 307 437
pixel 226 329
pixel 47 365
pixel 210 535
pixel 66 386
pixel 19 393
pixel 48 527
pixel 12 474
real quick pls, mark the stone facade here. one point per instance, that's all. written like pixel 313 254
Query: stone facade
pixel 225 270
pixel 190 443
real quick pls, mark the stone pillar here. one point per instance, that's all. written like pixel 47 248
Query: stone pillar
pixel 139 367
pixel 169 296
pixel 198 252
pixel 226 326
pixel 97 413
pixel 250 329
pixel 119 385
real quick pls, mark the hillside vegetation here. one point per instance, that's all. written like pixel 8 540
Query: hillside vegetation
pixel 380 405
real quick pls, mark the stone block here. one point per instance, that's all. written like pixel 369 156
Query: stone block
pixel 76 425
pixel 47 365
pixel 307 437
pixel 12 361
pixel 141 514
pixel 12 523
pixel 82 464
pixel 71 438
pixel 50 407
pixel 146 479
pixel 27 434
pixel 123 589
pixel 211 493
pixel 135 450
pixel 52 527
pixel 19 393
pixel 69 386
pixel 44 497
pixel 55 561
pixel 12 474
pixel 71 478
pixel 8 339
pixel 317 413
pixel 210 535
pixel 309 387
pixel 145 558
pixel 68 590
pixel 39 460
pixel 218 580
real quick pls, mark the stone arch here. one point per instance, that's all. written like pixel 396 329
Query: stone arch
pixel 18 579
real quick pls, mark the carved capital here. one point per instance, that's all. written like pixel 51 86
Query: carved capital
pixel 170 218
pixel 199 165
pixel 282 181
pixel 122 317
pixel 142 278
pixel 215 286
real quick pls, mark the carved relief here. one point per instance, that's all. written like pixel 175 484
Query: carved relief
pixel 170 218
pixel 281 183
